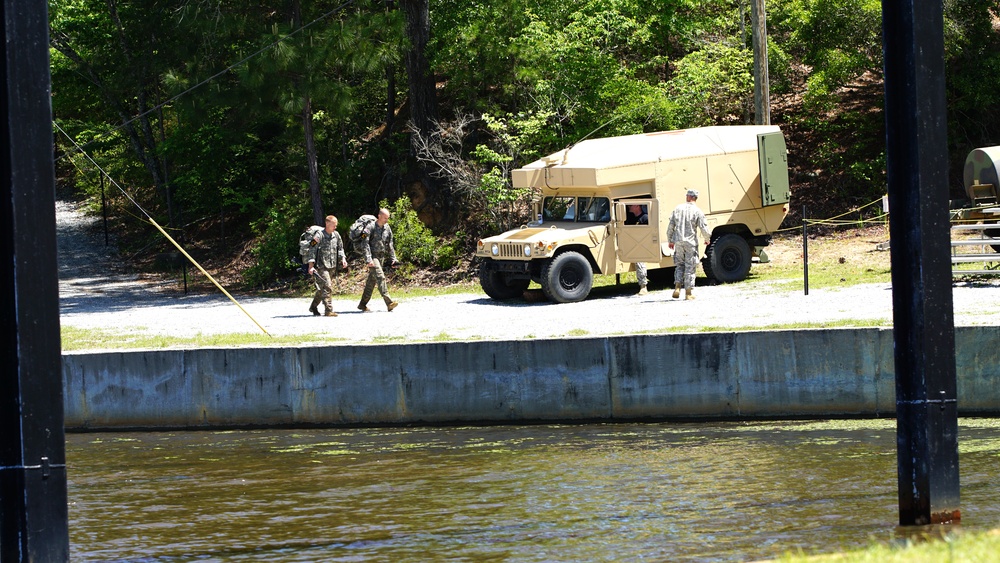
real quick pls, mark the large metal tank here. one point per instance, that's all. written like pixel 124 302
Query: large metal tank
pixel 981 171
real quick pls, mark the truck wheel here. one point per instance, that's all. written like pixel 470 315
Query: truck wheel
pixel 499 285
pixel 728 259
pixel 993 233
pixel 567 278
pixel 661 276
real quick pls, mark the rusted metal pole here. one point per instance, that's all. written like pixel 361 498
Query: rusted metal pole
pixel 923 319
pixel 33 511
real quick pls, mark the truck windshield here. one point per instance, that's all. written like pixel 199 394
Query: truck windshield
pixel 577 209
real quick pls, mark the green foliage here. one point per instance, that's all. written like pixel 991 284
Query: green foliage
pixel 714 85
pixel 840 39
pixel 415 244
pixel 276 243
pixel 511 142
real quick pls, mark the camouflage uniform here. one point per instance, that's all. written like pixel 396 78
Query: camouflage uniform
pixel 328 253
pixel 682 231
pixel 376 246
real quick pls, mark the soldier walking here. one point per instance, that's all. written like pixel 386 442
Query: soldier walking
pixel 377 246
pixel 323 259
pixel 682 236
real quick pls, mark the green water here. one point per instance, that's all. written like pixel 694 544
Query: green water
pixel 599 492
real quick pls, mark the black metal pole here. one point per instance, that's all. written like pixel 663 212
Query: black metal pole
pixel 104 209
pixel 33 511
pixel 805 253
pixel 923 319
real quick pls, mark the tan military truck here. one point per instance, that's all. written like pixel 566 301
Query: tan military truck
pixel 581 221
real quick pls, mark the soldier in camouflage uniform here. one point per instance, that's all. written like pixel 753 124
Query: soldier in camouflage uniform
pixel 377 246
pixel 637 215
pixel 682 236
pixel 323 259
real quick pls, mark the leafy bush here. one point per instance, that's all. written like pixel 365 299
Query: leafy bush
pixel 276 249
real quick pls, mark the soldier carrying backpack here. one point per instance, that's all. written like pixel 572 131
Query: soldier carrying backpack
pixel 322 253
pixel 374 240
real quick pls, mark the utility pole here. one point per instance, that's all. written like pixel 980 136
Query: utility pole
pixel 33 510
pixel 761 89
pixel 923 317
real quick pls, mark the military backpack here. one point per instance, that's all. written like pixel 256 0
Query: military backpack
pixel 308 239
pixel 357 231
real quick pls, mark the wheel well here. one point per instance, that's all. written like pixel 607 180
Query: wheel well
pixel 740 230
pixel 581 250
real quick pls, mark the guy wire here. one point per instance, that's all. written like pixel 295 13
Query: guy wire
pixel 161 229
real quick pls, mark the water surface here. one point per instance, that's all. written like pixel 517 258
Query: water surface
pixel 598 492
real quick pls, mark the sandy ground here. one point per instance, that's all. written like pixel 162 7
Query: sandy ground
pixel 93 294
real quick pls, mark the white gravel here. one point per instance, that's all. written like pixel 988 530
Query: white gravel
pixel 94 295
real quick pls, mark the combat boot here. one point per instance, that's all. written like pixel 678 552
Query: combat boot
pixel 314 310
pixel 330 314
pixel 363 307
pixel 643 290
pixel 690 293
pixel 677 291
pixel 391 305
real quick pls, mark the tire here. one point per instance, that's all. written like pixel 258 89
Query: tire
pixel 995 232
pixel 661 276
pixel 567 278
pixel 728 259
pixel 498 285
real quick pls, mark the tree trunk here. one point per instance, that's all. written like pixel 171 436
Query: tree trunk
pixel 423 98
pixel 142 137
pixel 313 163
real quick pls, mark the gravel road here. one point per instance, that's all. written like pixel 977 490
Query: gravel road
pixel 94 293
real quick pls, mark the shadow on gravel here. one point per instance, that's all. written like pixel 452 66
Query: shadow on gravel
pixel 111 301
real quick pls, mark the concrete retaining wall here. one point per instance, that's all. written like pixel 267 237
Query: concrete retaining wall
pixel 845 372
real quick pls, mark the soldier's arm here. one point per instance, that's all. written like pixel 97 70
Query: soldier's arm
pixel 703 225
pixel 341 256
pixel 366 245
pixel 311 256
pixel 392 247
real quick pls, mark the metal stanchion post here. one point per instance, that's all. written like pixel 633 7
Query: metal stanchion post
pixel 805 253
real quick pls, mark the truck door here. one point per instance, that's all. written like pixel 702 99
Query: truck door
pixel 773 156
pixel 637 242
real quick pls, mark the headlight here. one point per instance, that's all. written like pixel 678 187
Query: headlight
pixel 527 250
pixel 495 249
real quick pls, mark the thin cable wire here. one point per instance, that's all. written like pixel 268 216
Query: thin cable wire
pixel 162 231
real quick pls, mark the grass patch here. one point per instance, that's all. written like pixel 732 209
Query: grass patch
pixel 74 338
pixel 964 546
pixel 823 275
pixel 843 323
pixel 578 332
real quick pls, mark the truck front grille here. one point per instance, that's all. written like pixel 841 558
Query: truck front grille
pixel 511 250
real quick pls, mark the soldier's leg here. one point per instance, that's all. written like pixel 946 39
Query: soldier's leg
pixel 366 295
pixel 317 296
pixel 641 277
pixel 325 283
pixel 690 267
pixel 680 265
pixel 383 289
